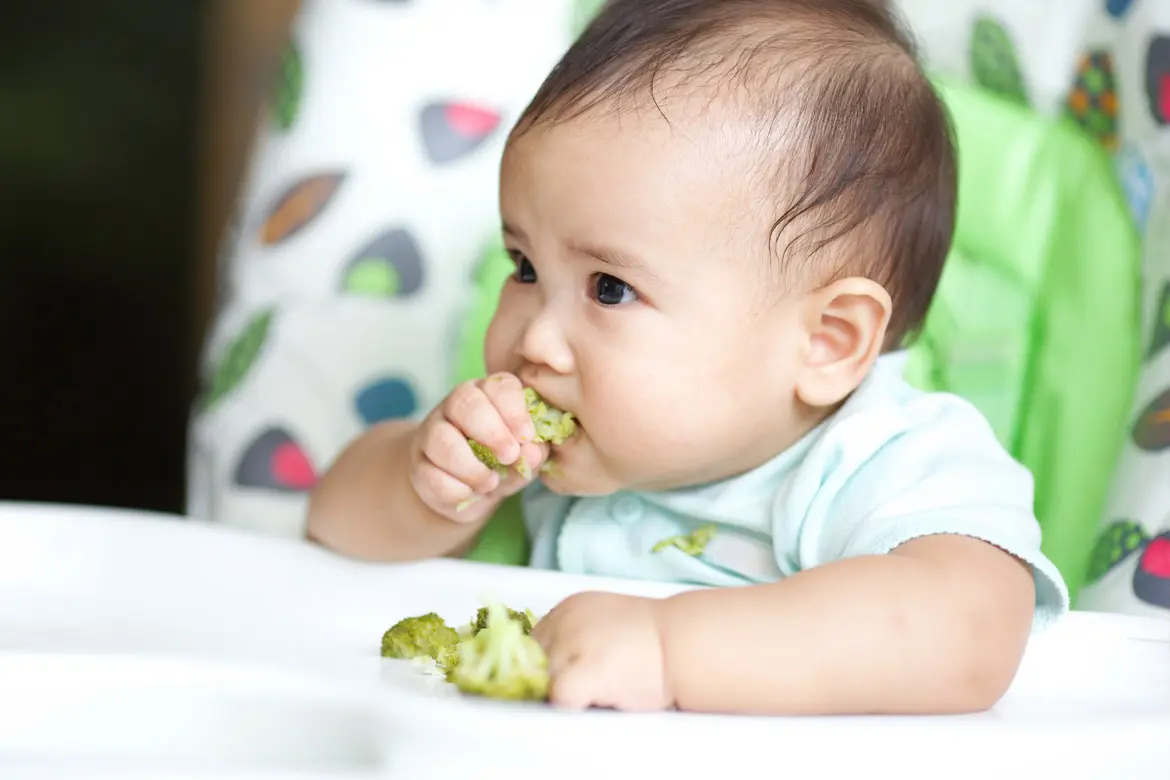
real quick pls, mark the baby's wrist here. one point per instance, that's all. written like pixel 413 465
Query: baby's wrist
pixel 666 629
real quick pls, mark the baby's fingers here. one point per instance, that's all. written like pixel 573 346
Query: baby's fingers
pixel 447 449
pixel 507 394
pixel 441 490
pixel 469 409
pixel 523 471
pixel 574 686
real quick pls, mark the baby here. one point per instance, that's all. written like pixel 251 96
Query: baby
pixel 724 216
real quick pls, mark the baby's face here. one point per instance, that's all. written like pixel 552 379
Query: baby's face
pixel 643 302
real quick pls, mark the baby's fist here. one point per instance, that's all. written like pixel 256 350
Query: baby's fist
pixel 489 415
pixel 605 650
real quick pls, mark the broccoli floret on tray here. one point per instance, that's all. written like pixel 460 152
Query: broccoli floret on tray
pixel 493 656
pixel 426 636
pixel 526 619
pixel 502 661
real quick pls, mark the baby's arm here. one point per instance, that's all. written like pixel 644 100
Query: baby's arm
pixel 938 625
pixel 365 506
pixel 406 491
pixel 919 577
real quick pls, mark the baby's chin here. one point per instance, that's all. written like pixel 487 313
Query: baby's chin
pixel 576 486
pixel 572 470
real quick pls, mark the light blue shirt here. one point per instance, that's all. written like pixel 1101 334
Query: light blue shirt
pixel 893 464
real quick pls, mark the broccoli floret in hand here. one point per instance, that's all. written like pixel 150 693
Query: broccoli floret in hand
pixel 693 543
pixel 552 425
pixel 501 661
pixel 425 636
pixel 485 455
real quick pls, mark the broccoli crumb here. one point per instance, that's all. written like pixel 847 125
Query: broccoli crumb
pixel 693 543
pixel 501 660
pixel 425 636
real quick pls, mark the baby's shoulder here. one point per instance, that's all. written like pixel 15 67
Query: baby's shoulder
pixel 887 419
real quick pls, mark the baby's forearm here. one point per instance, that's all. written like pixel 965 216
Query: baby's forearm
pixel 938 627
pixel 365 506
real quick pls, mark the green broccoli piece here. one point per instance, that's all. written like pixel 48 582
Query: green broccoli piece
pixel 426 636
pixel 693 543
pixel 485 455
pixel 552 425
pixel 501 661
pixel 526 619
pixel 448 657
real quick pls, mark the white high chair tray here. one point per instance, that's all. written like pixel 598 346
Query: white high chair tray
pixel 144 645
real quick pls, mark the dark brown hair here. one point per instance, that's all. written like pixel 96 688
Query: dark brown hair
pixel 873 153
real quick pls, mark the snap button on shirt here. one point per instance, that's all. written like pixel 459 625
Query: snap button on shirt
pixel 627 509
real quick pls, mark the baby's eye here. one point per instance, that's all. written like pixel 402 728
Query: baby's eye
pixel 611 291
pixel 525 273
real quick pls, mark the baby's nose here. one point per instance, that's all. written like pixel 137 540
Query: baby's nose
pixel 544 343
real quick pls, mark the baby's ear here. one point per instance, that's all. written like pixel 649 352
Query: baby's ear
pixel 846 327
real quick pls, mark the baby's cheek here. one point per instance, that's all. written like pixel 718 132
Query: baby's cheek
pixel 497 346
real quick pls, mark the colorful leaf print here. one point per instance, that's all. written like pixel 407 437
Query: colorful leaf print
pixel 386 399
pixel 1137 181
pixel 1158 79
pixel 1118 8
pixel 1092 102
pixel 1151 432
pixel 1151 579
pixel 289 86
pixel 1117 542
pixel 994 64
pixel 299 205
pixel 453 130
pixel 275 461
pixel 389 266
pixel 239 357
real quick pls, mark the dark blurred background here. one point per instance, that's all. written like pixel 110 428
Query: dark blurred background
pixel 124 125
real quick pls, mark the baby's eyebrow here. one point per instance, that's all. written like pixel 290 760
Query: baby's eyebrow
pixel 613 257
pixel 514 232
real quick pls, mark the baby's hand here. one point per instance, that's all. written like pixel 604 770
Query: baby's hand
pixel 445 471
pixel 605 650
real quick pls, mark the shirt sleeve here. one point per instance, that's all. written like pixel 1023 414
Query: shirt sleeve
pixel 906 467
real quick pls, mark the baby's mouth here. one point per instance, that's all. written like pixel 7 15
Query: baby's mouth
pixel 553 425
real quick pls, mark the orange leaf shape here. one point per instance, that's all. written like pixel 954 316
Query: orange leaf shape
pixel 299 205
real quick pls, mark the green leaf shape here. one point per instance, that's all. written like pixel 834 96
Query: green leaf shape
pixel 373 276
pixel 239 357
pixel 994 64
pixel 289 86
pixel 1119 540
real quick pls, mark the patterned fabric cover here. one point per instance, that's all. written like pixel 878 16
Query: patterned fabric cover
pixel 372 196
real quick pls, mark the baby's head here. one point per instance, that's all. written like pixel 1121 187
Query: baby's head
pixel 721 213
